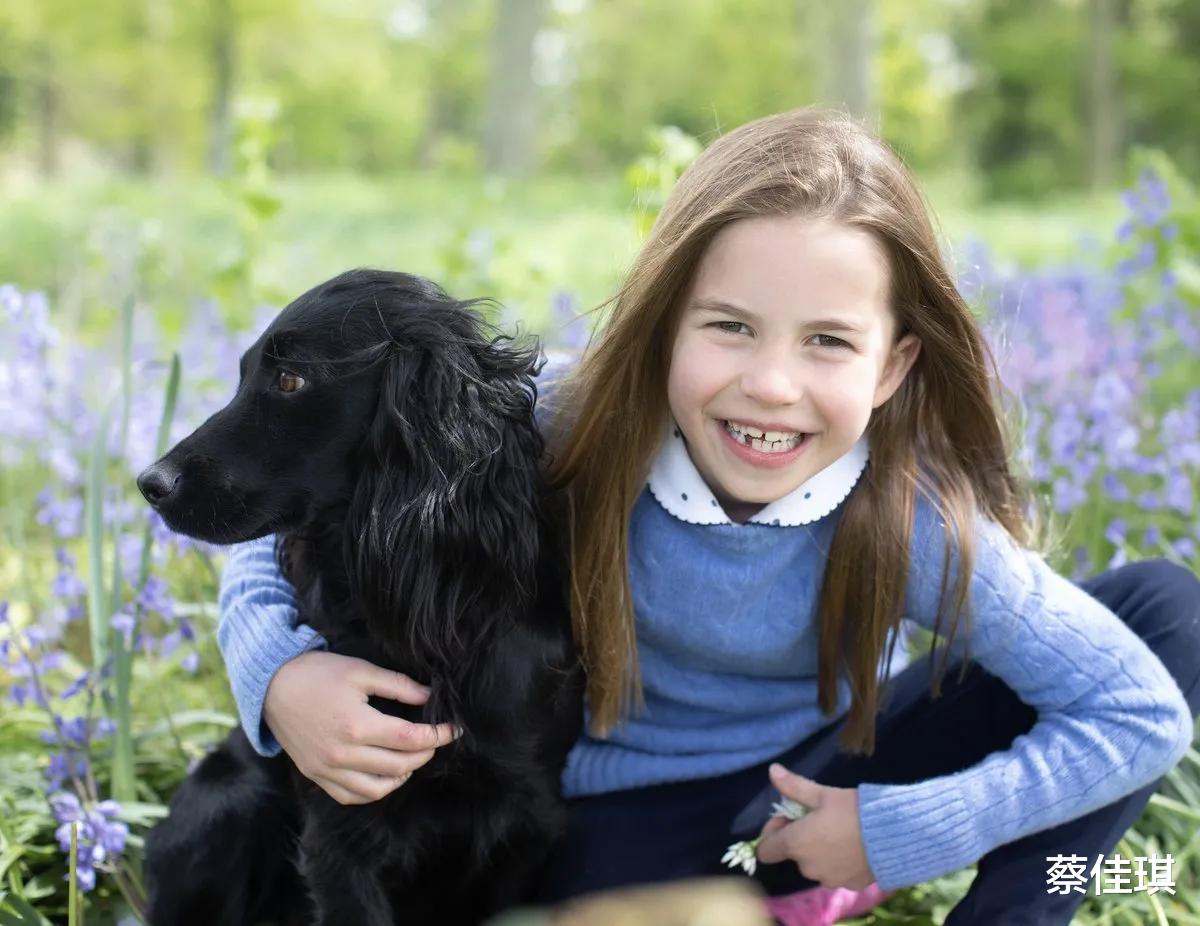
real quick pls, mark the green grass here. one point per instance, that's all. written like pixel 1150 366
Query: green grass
pixel 548 234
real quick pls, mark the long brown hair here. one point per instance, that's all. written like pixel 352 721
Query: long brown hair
pixel 946 415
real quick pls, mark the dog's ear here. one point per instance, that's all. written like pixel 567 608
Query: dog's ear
pixel 445 520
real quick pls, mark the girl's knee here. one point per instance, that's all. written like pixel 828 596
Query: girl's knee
pixel 1174 589
pixel 1168 619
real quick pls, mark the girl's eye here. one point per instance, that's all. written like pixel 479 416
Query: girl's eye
pixel 830 341
pixel 290 382
pixel 727 330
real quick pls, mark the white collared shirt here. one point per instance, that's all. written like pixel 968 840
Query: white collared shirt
pixel 681 490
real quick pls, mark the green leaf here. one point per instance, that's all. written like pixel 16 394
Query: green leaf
pixel 94 512
pixel 16 911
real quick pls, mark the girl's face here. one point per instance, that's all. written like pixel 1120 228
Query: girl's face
pixel 785 344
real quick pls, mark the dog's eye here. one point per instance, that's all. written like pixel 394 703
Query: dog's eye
pixel 290 382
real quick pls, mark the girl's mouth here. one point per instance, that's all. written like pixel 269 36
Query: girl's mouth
pixel 770 450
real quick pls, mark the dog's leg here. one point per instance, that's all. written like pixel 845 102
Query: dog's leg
pixel 513 877
pixel 223 854
pixel 342 874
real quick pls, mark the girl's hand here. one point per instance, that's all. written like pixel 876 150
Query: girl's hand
pixel 826 843
pixel 316 705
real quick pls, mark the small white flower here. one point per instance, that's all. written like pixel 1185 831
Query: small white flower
pixel 745 853
pixel 788 808
pixel 742 853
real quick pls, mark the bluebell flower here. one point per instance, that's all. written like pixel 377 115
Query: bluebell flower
pixel 21 668
pixel 1068 494
pixel 75 687
pixel 1115 488
pixel 74 731
pixel 85 877
pixel 1178 494
pixel 67 586
pixel 66 808
pixel 153 597
pixel 169 643
pixel 1066 431
pixel 57 771
pixel 65 516
pixel 123 622
pixel 36 635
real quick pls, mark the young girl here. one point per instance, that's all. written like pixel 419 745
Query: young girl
pixel 782 448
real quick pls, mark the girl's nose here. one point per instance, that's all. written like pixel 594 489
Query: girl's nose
pixel 771 384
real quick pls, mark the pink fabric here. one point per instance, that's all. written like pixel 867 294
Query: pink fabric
pixel 823 906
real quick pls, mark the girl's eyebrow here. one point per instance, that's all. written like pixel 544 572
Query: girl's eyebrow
pixel 721 307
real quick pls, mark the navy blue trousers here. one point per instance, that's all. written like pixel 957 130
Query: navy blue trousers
pixel 680 830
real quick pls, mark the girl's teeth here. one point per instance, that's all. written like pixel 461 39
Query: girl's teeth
pixel 762 445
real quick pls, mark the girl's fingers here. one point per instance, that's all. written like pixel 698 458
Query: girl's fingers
pixel 385 683
pixel 362 788
pixel 393 733
pixel 338 793
pixel 775 823
pixel 388 763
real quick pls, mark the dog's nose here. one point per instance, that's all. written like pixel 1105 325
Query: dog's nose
pixel 157 482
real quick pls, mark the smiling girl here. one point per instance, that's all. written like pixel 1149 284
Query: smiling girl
pixel 783 450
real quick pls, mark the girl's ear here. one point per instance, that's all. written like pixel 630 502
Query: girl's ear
pixel 899 362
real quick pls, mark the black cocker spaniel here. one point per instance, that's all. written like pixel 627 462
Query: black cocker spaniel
pixel 386 434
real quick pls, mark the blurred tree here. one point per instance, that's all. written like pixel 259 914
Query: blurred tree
pixel 919 75
pixel 1034 94
pixel 1105 115
pixel 845 53
pixel 703 67
pixel 222 59
pixel 1021 112
pixel 1159 64
pixel 444 99
pixel 510 132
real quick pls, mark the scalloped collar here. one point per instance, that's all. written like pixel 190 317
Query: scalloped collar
pixel 681 490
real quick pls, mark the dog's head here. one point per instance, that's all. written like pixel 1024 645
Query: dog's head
pixel 374 399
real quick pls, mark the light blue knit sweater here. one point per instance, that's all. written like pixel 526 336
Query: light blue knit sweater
pixel 727 643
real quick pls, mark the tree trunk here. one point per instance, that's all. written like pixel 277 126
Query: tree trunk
pixel 439 116
pixel 48 110
pixel 509 138
pixel 223 48
pixel 1105 116
pixel 845 52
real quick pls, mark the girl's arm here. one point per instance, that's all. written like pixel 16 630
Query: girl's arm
pixel 1111 719
pixel 258 632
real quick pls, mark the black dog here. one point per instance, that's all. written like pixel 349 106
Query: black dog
pixel 391 445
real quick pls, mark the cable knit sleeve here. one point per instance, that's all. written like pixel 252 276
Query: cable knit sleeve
pixel 257 632
pixel 1111 719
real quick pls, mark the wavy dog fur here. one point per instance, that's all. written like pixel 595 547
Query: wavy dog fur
pixel 404 481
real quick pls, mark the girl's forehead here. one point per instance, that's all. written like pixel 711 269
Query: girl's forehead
pixel 793 264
